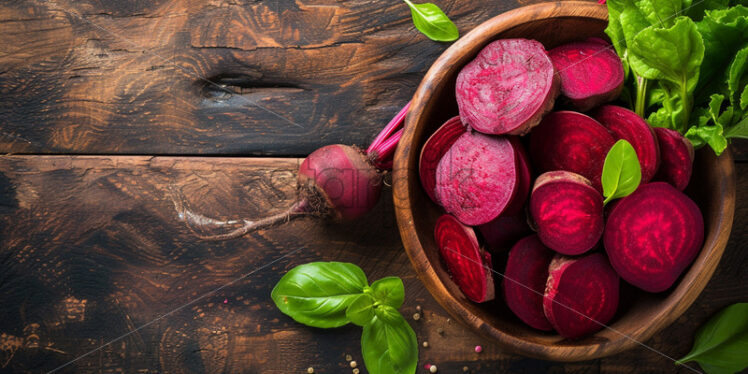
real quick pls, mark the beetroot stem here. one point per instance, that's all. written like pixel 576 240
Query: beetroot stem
pixel 383 159
pixel 391 127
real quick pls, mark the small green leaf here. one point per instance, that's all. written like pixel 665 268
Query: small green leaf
pixel 711 135
pixel 389 346
pixel 737 79
pixel 432 22
pixel 317 294
pixel 621 171
pixel 361 310
pixel 389 291
pixel 715 103
pixel 740 130
pixel 721 344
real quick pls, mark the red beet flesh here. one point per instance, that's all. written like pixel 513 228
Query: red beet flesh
pixel 524 179
pixel 625 124
pixel 468 264
pixel 677 158
pixel 477 178
pixel 567 211
pixel 524 282
pixel 573 142
pixel 433 150
pixel 652 235
pixel 581 294
pixel 343 176
pixel 507 88
pixel 591 73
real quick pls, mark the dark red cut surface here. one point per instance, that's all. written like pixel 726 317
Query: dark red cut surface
pixel 573 142
pixel 507 88
pixel 501 233
pixel 625 124
pixel 477 178
pixel 653 235
pixel 581 295
pixel 468 264
pixel 591 73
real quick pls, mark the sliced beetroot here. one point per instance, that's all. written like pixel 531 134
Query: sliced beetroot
pixel 573 142
pixel 567 211
pixel 433 150
pixel 468 264
pixel 477 178
pixel 501 233
pixel 524 281
pixel 507 88
pixel 581 295
pixel 625 124
pixel 591 73
pixel 652 235
pixel 524 179
pixel 677 158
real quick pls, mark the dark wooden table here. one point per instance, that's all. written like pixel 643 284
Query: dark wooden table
pixel 104 105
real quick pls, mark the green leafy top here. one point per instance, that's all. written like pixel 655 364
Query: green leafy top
pixel 675 54
pixel 721 344
pixel 331 294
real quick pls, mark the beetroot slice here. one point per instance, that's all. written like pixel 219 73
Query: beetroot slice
pixel 524 179
pixel 507 88
pixel 567 211
pixel 524 281
pixel 581 294
pixel 477 178
pixel 625 124
pixel 468 264
pixel 677 158
pixel 591 73
pixel 652 235
pixel 501 233
pixel 433 150
pixel 573 142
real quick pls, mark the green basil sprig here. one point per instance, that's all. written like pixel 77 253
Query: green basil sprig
pixel 432 22
pixel 332 294
pixel 721 344
pixel 621 171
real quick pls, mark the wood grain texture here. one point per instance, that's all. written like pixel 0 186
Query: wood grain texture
pixel 129 77
pixel 91 249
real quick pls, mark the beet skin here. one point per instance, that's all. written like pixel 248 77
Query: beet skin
pixel 652 235
pixel 507 88
pixel 435 147
pixel 581 295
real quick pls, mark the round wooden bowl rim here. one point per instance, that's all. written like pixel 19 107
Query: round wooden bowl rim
pixel 679 299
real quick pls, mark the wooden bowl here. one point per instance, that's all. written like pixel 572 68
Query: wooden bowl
pixel 640 314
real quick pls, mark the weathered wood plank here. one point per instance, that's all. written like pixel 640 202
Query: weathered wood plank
pixel 91 249
pixel 108 76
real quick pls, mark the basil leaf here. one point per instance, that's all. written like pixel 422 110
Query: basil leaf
pixel 621 171
pixel 711 135
pixel 432 22
pixel 389 291
pixel 389 346
pixel 721 344
pixel 361 310
pixel 317 294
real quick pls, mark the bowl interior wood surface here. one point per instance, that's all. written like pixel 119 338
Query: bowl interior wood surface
pixel 640 314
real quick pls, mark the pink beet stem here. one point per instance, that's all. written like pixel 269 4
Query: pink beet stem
pixel 387 149
pixel 601 1
pixel 391 127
